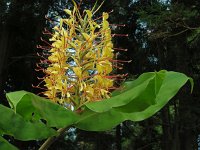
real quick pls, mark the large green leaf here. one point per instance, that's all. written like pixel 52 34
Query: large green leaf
pixel 130 92
pixel 29 103
pixel 5 145
pixel 13 124
pixel 164 84
pixel 163 87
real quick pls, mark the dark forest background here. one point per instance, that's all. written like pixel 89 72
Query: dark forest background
pixel 163 34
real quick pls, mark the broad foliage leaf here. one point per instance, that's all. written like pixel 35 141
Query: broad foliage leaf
pixel 5 145
pixel 160 87
pixel 32 117
pixel 13 124
pixel 33 107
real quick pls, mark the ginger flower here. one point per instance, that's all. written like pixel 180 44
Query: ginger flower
pixel 80 60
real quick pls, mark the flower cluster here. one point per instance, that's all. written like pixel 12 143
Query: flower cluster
pixel 80 63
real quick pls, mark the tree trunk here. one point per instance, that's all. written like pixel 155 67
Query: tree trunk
pixel 5 38
pixel 118 137
pixel 182 65
pixel 166 126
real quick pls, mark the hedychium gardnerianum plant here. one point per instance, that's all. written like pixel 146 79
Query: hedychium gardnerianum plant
pixel 80 59
pixel 80 86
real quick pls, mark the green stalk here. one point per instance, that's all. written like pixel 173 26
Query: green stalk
pixel 51 140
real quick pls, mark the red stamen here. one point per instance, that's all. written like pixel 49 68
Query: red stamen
pixel 47 32
pixel 79 5
pixel 119 25
pixel 40 83
pixel 124 35
pixel 42 56
pixel 51 21
pixel 38 87
pixel 116 76
pixel 42 78
pixel 44 47
pixel 40 68
pixel 43 70
pixel 41 93
pixel 113 76
pixel 45 61
pixel 121 49
pixel 123 61
pixel 119 79
pixel 102 15
pixel 45 42
pixel 117 67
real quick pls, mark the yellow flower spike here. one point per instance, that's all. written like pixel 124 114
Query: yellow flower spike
pixel 80 59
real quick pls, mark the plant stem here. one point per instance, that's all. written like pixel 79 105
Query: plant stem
pixel 51 140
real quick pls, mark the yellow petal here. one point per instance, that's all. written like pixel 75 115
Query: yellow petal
pixel 78 71
pixel 104 67
pixel 105 16
pixel 89 90
pixel 86 36
pixel 67 11
pixel 107 52
pixel 72 45
pixel 89 13
pixel 68 95
pixel 105 24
